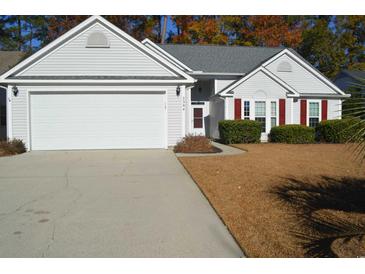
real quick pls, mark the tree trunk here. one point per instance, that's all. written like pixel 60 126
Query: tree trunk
pixel 19 23
pixel 164 26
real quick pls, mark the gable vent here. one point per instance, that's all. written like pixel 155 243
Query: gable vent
pixel 284 67
pixel 260 94
pixel 97 39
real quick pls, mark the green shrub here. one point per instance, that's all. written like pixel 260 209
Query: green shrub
pixel 292 134
pixel 239 131
pixel 338 131
pixel 12 147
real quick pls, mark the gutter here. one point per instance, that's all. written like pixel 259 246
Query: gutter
pixel 330 96
pixel 215 73
pixel 26 81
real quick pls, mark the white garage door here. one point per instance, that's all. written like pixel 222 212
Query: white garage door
pixel 97 121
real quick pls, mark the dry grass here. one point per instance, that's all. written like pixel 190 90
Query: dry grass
pixel 194 144
pixel 241 190
pixel 11 147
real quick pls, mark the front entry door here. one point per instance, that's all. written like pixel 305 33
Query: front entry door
pixel 198 123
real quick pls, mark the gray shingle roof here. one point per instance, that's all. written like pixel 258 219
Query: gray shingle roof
pixel 214 58
pixel 8 59
pixel 357 74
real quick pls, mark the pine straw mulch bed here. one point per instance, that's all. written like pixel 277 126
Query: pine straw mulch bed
pixel 283 200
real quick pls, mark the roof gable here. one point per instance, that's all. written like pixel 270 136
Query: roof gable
pixel 303 76
pixel 260 85
pixel 70 55
pixel 228 91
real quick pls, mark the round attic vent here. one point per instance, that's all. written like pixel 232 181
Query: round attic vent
pixel 97 39
pixel 260 94
pixel 284 67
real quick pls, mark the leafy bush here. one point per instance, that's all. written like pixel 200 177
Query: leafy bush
pixel 239 131
pixel 292 134
pixel 12 147
pixel 195 144
pixel 338 131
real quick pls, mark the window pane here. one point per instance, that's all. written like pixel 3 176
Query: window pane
pixel 273 121
pixel 198 123
pixel 198 117
pixel 246 109
pixel 262 120
pixel 273 109
pixel 314 109
pixel 313 122
pixel 260 108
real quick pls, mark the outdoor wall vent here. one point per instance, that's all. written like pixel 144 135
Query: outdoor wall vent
pixel 284 67
pixel 260 94
pixel 97 39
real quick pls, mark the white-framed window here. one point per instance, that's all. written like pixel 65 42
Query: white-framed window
pixel 313 113
pixel 260 114
pixel 274 119
pixel 246 110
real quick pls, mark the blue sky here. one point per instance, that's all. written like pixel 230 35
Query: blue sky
pixel 170 25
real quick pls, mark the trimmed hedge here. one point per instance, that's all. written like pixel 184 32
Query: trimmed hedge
pixel 292 134
pixel 337 131
pixel 239 131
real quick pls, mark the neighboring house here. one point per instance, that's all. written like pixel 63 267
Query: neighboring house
pixel 8 59
pixel 96 87
pixel 350 79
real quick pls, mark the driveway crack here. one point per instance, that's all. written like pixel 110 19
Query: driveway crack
pixel 69 209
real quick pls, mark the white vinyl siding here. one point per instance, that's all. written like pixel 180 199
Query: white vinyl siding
pixel 74 58
pixel 259 86
pixel 20 107
pixel 221 84
pixel 334 109
pixel 299 78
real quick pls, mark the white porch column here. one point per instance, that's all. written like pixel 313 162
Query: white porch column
pixel 188 110
pixel 9 113
pixel 183 111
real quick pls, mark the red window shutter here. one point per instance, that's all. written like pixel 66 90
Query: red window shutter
pixel 303 112
pixel 324 110
pixel 281 111
pixel 237 109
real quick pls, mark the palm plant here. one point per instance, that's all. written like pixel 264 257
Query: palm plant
pixel 316 231
pixel 354 107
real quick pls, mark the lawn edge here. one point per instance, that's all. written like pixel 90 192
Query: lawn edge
pixel 215 210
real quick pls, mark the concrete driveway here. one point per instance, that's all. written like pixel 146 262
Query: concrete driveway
pixel 116 203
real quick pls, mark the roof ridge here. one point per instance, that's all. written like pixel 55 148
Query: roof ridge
pixel 217 45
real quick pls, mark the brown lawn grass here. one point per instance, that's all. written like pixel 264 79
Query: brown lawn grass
pixel 239 188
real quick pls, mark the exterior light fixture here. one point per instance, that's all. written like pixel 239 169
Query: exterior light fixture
pixel 15 91
pixel 178 90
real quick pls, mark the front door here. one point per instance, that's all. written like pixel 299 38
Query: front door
pixel 198 123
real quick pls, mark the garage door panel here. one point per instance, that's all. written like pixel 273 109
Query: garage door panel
pixel 97 121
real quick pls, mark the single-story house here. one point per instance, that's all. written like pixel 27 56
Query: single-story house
pixel 96 87
pixel 8 59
